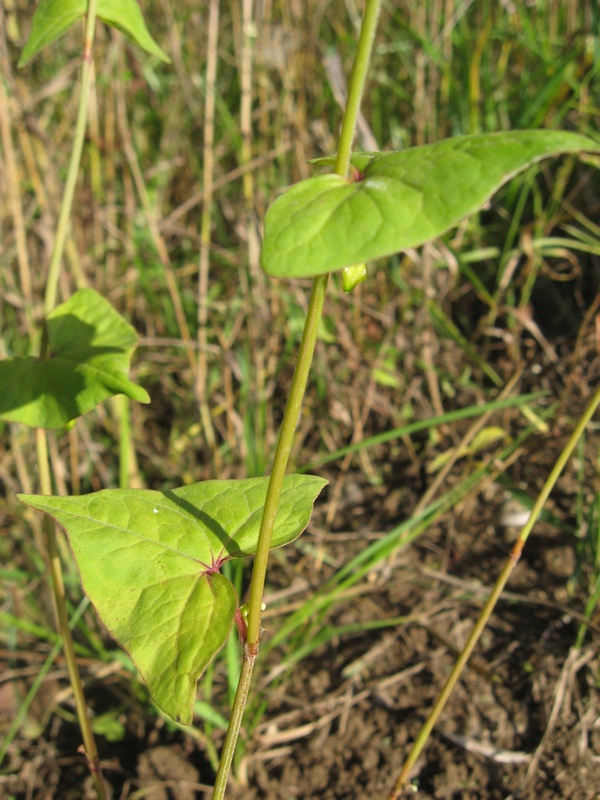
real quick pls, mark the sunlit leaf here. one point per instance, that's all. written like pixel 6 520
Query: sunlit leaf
pixel 149 563
pixel 399 200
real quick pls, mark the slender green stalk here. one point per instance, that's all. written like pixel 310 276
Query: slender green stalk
pixel 290 419
pixel 357 85
pixel 235 723
pixel 487 610
pixel 78 140
pixel 282 454
pixel 284 446
pixel 62 616
pixel 42 446
pixel 292 411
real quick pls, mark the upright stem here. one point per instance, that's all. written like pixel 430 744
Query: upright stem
pixel 78 140
pixel 58 587
pixel 91 750
pixel 282 454
pixel 292 411
pixel 357 85
pixel 124 441
pixel 311 327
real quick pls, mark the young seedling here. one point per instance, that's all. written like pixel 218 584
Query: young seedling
pixel 150 561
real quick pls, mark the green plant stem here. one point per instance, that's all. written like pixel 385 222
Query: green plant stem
pixel 42 446
pixel 58 586
pixel 284 446
pixel 309 337
pixel 282 454
pixel 292 411
pixel 356 85
pixel 235 723
pixel 206 232
pixel 487 610
pixel 78 140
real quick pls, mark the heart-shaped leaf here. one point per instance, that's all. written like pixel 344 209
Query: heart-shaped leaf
pixel 52 18
pixel 90 347
pixel 399 200
pixel 149 563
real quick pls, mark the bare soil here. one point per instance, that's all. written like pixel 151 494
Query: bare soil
pixel 523 721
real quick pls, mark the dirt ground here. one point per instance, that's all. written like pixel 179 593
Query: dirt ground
pixel 524 719
pixel 523 722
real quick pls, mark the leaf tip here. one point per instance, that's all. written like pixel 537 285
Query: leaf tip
pixel 27 499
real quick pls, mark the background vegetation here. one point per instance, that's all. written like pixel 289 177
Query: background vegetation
pixel 368 612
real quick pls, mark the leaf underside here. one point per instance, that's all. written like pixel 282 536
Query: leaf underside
pixel 90 348
pixel 401 200
pixel 149 563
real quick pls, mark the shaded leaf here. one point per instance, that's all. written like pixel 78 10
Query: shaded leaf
pixel 149 563
pixel 126 16
pixel 90 348
pixel 51 19
pixel 400 200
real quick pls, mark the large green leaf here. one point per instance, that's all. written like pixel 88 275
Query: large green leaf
pixel 149 563
pixel 90 347
pixel 400 200
pixel 52 18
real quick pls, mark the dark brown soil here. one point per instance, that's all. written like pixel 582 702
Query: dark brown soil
pixel 523 721
pixel 343 723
